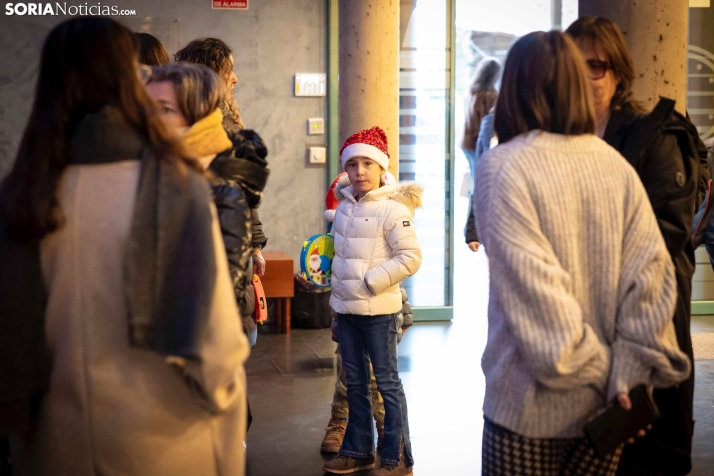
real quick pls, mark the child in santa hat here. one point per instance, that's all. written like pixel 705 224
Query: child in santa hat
pixel 335 431
pixel 376 248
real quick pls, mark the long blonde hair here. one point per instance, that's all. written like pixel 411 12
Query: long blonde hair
pixel 231 109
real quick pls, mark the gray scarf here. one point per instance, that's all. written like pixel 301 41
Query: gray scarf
pixel 170 272
pixel 170 263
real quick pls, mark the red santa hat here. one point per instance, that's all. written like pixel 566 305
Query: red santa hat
pixel 371 143
pixel 315 252
pixel 331 200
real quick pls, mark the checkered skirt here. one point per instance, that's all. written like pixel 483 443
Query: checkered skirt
pixel 505 453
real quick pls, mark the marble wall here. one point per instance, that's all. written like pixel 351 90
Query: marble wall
pixel 271 41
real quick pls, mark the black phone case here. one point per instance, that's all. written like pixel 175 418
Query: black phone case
pixel 613 425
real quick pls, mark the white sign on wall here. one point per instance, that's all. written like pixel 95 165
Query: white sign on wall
pixel 310 84
pixel 229 4
pixel 699 3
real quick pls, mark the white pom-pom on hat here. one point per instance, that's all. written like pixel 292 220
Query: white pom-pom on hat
pixel 329 215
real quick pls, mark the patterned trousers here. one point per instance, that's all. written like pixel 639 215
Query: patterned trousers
pixel 505 453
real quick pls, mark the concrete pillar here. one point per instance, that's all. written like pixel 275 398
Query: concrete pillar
pixel 656 33
pixel 369 70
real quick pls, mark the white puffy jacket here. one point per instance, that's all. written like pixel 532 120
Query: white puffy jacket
pixel 375 248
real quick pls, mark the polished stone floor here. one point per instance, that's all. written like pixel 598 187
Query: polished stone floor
pixel 291 381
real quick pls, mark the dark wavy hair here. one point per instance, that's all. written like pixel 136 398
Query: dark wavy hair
pixel 544 87
pixel 215 54
pixel 605 36
pixel 151 51
pixel 86 63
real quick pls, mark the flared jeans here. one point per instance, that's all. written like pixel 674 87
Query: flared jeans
pixel 365 338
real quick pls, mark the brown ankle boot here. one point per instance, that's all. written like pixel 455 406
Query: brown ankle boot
pixel 346 465
pixel 334 434
pixel 391 470
pixel 380 433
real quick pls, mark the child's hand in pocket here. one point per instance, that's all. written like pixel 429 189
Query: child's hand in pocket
pixel 366 286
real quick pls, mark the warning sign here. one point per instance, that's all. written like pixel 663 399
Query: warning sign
pixel 230 4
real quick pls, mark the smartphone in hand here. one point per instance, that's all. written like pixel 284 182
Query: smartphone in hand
pixel 613 425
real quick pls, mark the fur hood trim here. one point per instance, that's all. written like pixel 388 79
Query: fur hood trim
pixel 408 193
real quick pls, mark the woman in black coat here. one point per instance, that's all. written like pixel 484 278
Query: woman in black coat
pixel 190 95
pixel 672 183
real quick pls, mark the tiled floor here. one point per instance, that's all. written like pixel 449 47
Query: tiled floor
pixel 291 381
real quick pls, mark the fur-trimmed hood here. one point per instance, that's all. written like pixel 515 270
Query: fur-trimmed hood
pixel 408 193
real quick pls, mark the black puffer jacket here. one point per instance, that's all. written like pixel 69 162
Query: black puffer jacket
pixel 240 174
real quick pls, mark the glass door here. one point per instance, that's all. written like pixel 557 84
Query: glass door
pixel 426 146
pixel 485 28
pixel 440 43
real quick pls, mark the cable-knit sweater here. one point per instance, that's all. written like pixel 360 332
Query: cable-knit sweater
pixel 582 289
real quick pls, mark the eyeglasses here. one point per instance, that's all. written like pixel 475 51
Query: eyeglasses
pixel 598 68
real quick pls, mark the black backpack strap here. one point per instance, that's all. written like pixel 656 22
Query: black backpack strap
pixel 663 109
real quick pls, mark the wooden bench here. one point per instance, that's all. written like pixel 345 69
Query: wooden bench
pixel 278 283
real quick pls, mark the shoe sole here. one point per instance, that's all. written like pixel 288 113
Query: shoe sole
pixel 351 470
pixel 329 449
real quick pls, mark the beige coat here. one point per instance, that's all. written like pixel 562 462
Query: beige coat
pixel 115 410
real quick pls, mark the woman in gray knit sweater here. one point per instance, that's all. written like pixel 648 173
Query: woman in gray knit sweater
pixel 582 288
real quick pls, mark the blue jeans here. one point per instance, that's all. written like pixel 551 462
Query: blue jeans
pixel 374 337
